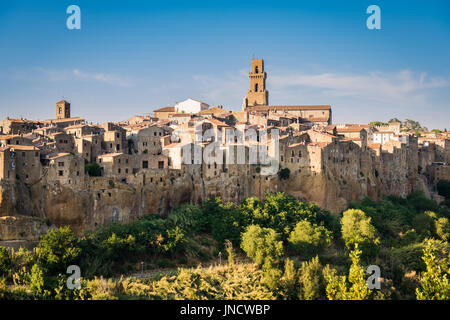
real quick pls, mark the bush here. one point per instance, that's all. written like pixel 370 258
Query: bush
pixel 312 281
pixel 58 249
pixel 5 262
pixel 442 226
pixel 435 284
pixel 357 228
pixel 94 170
pixel 309 238
pixel 443 188
pixel 284 173
pixel 262 245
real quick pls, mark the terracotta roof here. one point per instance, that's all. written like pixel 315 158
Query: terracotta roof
pixel 2 149
pixel 76 126
pixel 5 137
pixel 350 129
pixel 59 155
pixel 65 120
pixel 110 155
pixel 322 119
pixel 181 115
pixel 319 144
pixel 165 109
pixel 218 123
pixel 23 148
pixel 374 145
pixel 293 107
pixel 325 134
pixel 214 110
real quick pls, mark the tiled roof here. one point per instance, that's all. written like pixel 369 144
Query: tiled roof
pixel 293 107
pixel 23 148
pixel 165 109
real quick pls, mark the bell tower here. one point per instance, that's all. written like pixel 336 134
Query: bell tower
pixel 257 95
pixel 62 109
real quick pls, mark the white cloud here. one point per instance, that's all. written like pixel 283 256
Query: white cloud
pixel 371 89
pixel 65 75
pixel 111 79
pixel 395 88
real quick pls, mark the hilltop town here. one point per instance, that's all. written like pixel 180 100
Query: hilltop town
pixel 66 171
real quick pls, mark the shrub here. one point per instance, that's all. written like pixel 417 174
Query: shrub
pixel 309 238
pixel 262 245
pixel 443 188
pixel 284 173
pixel 338 288
pixel 443 228
pixel 58 249
pixel 312 281
pixel 435 284
pixel 94 170
pixel 5 262
pixel 356 228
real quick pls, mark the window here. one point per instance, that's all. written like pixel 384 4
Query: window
pixel 256 69
pixel 256 87
pixel 145 164
pixel 60 164
pixel 118 135
pixel 23 154
pixel 118 170
pixel 160 164
pixel 60 173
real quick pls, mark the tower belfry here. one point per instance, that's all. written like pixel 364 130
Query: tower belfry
pixel 257 95
pixel 62 109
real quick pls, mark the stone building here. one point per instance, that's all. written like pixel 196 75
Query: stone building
pixel 257 94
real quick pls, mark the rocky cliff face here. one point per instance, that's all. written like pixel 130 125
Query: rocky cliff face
pixel 99 201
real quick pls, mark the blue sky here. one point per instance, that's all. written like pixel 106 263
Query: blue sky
pixel 131 57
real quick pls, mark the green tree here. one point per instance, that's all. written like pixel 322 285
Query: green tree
pixel 230 252
pixel 5 262
pixel 284 173
pixel 94 170
pixel 312 282
pixel 262 245
pixel 377 123
pixel 443 228
pixel 338 288
pixel 58 249
pixel 434 282
pixel 37 281
pixel 309 237
pixel 443 188
pixel 357 228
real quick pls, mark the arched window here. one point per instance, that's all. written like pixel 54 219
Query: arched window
pixel 256 87
pixel 256 69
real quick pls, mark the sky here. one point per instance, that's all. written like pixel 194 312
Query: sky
pixel 132 57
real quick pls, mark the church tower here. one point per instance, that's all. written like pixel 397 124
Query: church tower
pixel 257 95
pixel 62 109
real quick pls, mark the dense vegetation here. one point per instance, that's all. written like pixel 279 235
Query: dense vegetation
pixel 279 248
